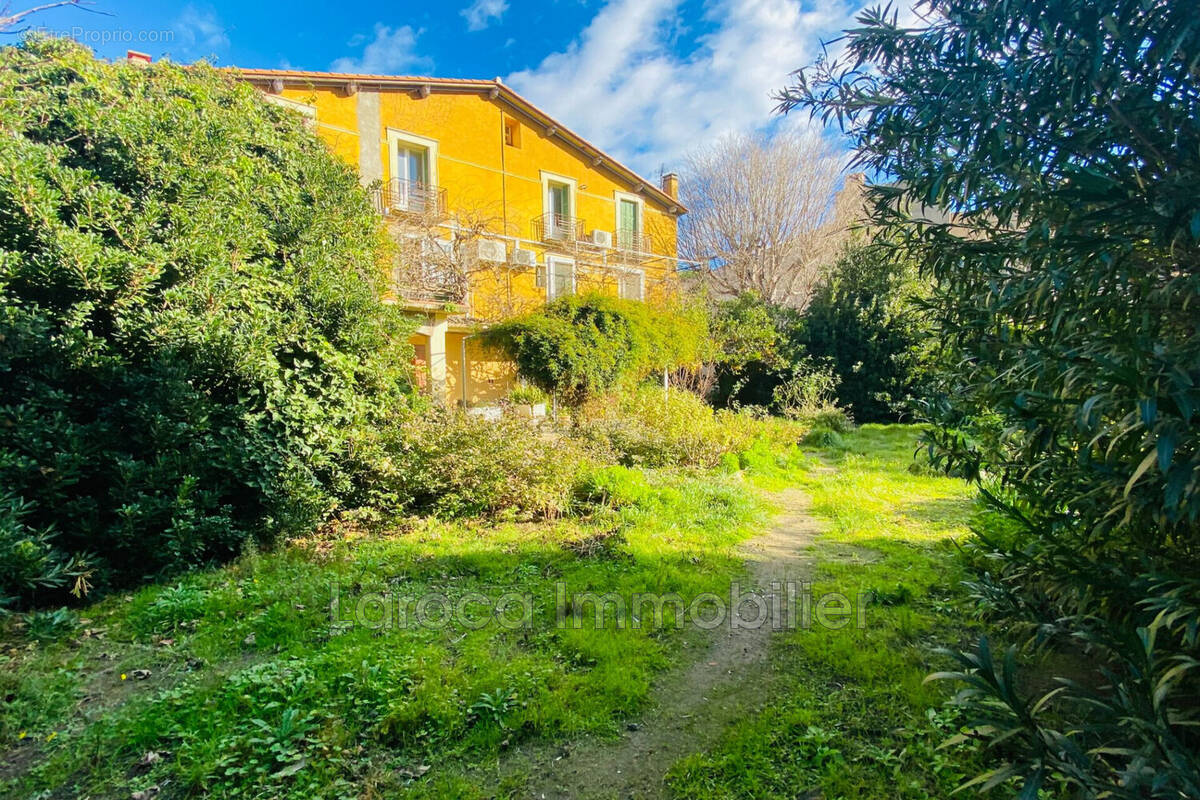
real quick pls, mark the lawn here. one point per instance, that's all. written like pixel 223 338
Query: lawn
pixel 242 681
pixel 245 681
pixel 851 714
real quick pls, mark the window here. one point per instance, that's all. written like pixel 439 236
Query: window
pixel 412 177
pixel 561 274
pixel 413 166
pixel 558 198
pixel 629 222
pixel 558 205
pixel 413 163
pixel 512 133
pixel 631 285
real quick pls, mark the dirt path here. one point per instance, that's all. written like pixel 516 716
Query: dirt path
pixel 692 703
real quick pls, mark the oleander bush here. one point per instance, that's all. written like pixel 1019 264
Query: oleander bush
pixel 1049 153
pixel 193 350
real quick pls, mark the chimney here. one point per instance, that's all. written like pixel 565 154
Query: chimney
pixel 670 185
pixel 134 57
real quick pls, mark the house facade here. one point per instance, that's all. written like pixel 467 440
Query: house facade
pixel 494 206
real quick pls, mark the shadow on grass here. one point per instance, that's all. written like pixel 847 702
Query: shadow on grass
pixel 940 512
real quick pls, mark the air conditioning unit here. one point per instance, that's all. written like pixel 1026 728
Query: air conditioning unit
pixel 524 258
pixel 601 238
pixel 490 250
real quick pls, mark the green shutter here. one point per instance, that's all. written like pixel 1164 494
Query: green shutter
pixel 628 220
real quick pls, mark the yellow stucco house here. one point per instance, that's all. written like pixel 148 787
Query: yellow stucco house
pixel 495 206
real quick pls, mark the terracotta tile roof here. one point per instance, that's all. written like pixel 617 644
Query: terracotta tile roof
pixel 502 91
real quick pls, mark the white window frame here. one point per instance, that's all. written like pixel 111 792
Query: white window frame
pixel 549 178
pixel 396 137
pixel 618 196
pixel 551 260
pixel 640 274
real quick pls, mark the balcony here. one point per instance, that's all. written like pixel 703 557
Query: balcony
pixel 425 297
pixel 427 275
pixel 633 246
pixel 557 229
pixel 396 197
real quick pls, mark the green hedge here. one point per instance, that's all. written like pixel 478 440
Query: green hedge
pixel 580 346
pixel 192 348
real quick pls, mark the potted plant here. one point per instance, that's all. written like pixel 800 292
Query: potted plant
pixel 528 402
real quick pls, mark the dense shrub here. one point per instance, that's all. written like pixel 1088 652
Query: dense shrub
pixel 646 426
pixel 191 342
pixel 614 485
pixel 811 387
pixel 752 357
pixel 864 323
pixel 29 560
pixel 452 464
pixel 1063 140
pixel 526 396
pixel 580 346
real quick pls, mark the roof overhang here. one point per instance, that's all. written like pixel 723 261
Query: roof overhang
pixel 275 80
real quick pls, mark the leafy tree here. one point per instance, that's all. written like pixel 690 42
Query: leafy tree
pixel 861 326
pixel 192 346
pixel 743 330
pixel 1051 151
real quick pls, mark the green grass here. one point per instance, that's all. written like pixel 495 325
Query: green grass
pixel 851 715
pixel 253 692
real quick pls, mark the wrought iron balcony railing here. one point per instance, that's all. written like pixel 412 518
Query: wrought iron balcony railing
pixel 632 244
pixel 557 228
pixel 429 280
pixel 409 197
pixel 428 296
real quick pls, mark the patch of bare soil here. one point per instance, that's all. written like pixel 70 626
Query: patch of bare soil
pixel 693 703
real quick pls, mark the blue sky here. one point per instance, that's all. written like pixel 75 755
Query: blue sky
pixel 647 80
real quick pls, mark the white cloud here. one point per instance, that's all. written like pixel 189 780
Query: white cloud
pixel 393 51
pixel 623 84
pixel 482 13
pixel 200 32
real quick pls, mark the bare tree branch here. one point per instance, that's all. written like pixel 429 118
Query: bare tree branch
pixel 9 18
pixel 763 215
